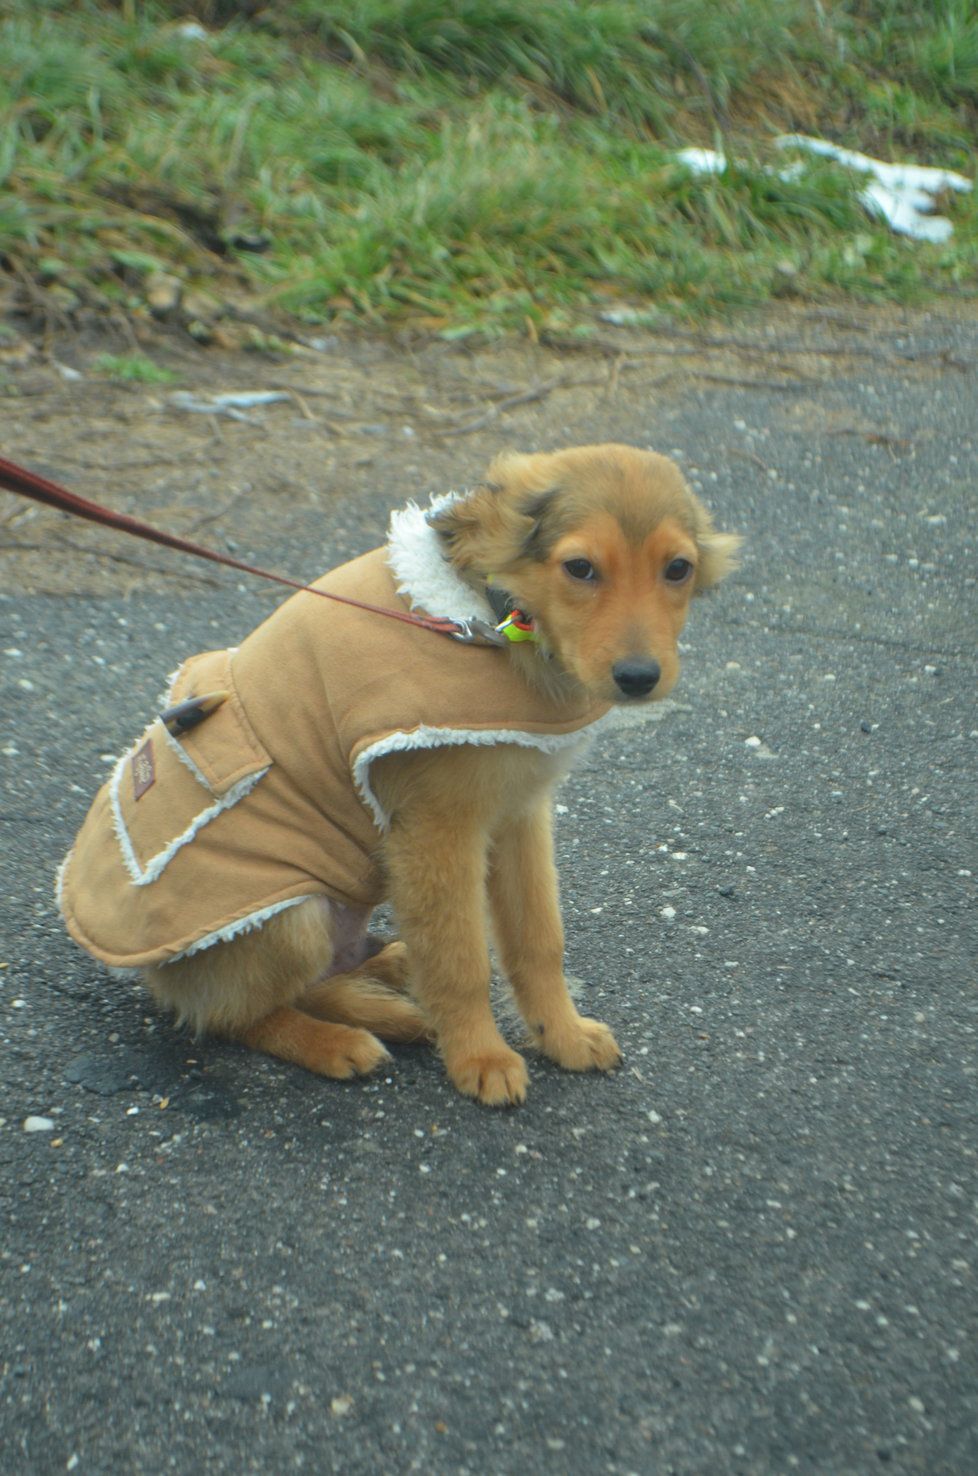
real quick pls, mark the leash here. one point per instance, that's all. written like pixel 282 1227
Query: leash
pixel 30 484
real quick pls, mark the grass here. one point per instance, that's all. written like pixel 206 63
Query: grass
pixel 133 369
pixel 482 165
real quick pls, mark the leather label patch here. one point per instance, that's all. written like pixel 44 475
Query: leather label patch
pixel 143 769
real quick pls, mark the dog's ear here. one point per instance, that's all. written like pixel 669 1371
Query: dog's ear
pixel 500 520
pixel 473 527
pixel 718 551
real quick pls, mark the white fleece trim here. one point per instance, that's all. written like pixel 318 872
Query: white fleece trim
pixel 426 737
pixel 118 823
pixel 242 925
pixel 143 875
pixel 59 881
pixel 165 699
pixel 422 574
pixel 184 757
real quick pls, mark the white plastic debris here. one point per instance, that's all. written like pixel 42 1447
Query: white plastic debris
pixel 903 194
pixel 245 399
pixel 627 317
pixel 702 161
pixel 232 405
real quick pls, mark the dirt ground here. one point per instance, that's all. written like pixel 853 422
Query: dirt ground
pixel 356 411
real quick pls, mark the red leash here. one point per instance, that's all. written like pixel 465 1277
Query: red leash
pixel 29 484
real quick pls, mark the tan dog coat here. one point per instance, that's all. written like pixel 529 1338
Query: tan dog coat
pixel 197 838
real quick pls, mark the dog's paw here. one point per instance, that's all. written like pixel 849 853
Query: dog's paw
pixel 497 1078
pixel 343 1051
pixel 323 1046
pixel 584 1045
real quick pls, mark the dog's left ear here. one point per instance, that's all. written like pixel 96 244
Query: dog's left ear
pixel 491 525
pixel 471 525
pixel 718 551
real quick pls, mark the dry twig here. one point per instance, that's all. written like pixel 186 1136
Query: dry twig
pixel 525 397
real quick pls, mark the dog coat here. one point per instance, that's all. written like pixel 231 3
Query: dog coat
pixel 199 837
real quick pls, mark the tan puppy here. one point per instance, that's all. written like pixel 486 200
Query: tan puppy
pixel 601 548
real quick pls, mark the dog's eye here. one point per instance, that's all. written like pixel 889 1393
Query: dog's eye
pixel 580 569
pixel 678 571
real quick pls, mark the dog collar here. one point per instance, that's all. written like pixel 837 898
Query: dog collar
pixel 513 624
pixel 516 627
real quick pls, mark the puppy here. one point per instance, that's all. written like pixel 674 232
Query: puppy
pixel 346 758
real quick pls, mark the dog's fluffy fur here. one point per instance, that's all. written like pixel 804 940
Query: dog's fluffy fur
pixel 582 540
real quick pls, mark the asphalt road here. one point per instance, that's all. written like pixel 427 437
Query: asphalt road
pixel 752 1250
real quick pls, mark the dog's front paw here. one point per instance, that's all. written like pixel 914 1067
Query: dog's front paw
pixel 497 1078
pixel 582 1045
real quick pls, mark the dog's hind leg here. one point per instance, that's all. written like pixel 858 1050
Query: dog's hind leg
pixel 247 988
pixel 324 1046
pixel 371 996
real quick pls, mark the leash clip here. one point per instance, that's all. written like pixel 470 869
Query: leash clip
pixel 471 631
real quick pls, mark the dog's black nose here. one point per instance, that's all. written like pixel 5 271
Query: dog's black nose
pixel 636 678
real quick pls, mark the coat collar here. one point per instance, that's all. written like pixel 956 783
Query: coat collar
pixel 422 574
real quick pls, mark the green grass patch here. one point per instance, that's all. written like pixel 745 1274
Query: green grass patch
pixel 133 369
pixel 482 165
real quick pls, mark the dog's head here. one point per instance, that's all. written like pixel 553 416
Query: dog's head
pixel 603 547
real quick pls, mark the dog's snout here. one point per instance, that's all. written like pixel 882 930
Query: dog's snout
pixel 636 678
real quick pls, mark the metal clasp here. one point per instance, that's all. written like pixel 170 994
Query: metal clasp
pixel 471 631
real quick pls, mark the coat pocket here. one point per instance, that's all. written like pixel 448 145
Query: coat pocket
pixel 166 788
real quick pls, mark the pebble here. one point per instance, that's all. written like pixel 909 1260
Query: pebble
pixel 38 1124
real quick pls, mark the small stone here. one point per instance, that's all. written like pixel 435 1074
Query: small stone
pixel 232 336
pixel 62 297
pixel 38 1124
pixel 197 304
pixel 163 293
